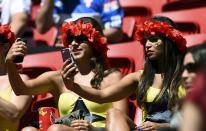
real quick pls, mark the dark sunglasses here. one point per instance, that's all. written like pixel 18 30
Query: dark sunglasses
pixel 78 39
pixel 191 67
pixel 153 38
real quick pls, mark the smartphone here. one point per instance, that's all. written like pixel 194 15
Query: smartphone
pixel 67 55
pixel 19 59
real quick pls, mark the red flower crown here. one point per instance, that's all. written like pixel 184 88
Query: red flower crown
pixel 7 33
pixel 152 28
pixel 98 41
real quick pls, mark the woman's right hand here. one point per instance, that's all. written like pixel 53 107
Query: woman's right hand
pixel 18 48
pixel 68 72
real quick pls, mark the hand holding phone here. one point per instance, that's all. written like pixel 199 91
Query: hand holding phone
pixel 19 59
pixel 66 55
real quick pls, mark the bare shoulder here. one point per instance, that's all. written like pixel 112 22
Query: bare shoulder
pixel 115 74
pixel 135 76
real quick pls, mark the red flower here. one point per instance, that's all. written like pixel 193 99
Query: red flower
pixel 151 28
pixel 7 33
pixel 98 41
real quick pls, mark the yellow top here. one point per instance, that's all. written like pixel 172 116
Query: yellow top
pixel 67 102
pixel 6 125
pixel 152 92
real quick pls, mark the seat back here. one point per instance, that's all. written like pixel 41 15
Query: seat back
pixel 142 7
pixel 194 17
pixel 173 5
pixel 195 39
pixel 128 27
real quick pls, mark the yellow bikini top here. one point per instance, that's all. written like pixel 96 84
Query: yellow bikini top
pixel 6 94
pixel 6 125
pixel 67 102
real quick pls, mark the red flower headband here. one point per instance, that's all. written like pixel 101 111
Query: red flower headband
pixel 7 33
pixel 98 41
pixel 151 28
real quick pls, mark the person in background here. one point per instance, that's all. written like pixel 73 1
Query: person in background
pixel 12 107
pixel 85 39
pixel 107 12
pixel 194 108
pixel 16 13
pixel 157 87
pixel 194 60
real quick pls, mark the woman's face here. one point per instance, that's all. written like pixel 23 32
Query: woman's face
pixel 188 74
pixel 80 48
pixel 154 47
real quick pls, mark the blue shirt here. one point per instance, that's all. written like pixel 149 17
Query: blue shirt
pixel 107 12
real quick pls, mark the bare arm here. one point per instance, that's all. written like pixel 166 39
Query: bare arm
pixel 113 35
pixel 19 22
pixel 192 118
pixel 14 109
pixel 42 84
pixel 122 105
pixel 115 92
pixel 44 19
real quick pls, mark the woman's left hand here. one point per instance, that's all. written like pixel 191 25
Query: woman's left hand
pixel 149 126
pixel 81 125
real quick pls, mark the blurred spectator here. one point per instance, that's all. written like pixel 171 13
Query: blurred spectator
pixel 12 107
pixel 193 61
pixel 194 109
pixel 16 13
pixel 107 12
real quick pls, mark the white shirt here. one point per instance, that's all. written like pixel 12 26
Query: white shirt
pixel 11 7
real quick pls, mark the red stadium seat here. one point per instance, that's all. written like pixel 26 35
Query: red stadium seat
pixel 195 39
pixel 142 7
pixel 173 5
pixel 128 27
pixel 130 50
pixel 194 19
pixel 47 38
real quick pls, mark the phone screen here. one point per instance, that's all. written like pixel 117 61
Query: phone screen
pixel 66 55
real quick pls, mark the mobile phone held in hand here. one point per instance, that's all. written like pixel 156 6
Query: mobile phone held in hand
pixel 19 59
pixel 66 55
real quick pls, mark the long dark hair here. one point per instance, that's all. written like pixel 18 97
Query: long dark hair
pixel 171 65
pixel 97 60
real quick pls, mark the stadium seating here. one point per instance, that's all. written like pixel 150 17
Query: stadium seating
pixel 193 18
pixel 172 5
pixel 142 7
pixel 128 28
pixel 195 39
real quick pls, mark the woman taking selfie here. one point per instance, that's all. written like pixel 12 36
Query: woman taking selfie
pixel 88 46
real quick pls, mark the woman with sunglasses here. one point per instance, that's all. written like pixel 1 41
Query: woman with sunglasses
pixel 85 39
pixel 193 60
pixel 157 87
pixel 194 107
pixel 191 116
pixel 12 107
